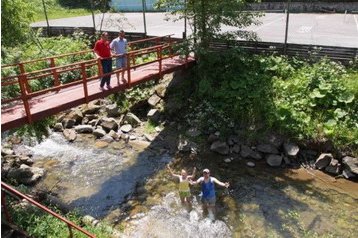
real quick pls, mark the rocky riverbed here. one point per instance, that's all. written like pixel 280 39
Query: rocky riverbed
pixel 111 165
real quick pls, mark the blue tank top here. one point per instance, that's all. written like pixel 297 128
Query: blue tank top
pixel 208 189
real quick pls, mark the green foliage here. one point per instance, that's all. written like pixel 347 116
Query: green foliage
pixel 132 96
pixel 16 16
pixel 37 129
pixel 305 101
pixel 45 47
pixel 40 224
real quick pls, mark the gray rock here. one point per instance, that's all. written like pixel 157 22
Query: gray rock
pixel 7 151
pixel 93 122
pixel 227 160
pixel 109 124
pixel 274 160
pixel 132 137
pixel 160 90
pixel 68 123
pixel 351 164
pixel 84 129
pixel 88 220
pixel 132 119
pixel 154 100
pixel 247 152
pixel 26 160
pixel 212 138
pixel 233 140
pixel 70 134
pixel 323 160
pixel 91 116
pixel 291 149
pixel 99 132
pixel 287 160
pixel 236 149
pixel 250 164
pixel 158 129
pixel 126 128
pixel 113 134
pixel 148 137
pixel 334 167
pixel 25 174
pixel 267 149
pixel 153 115
pixel 58 127
pixel 348 174
pixel 107 139
pixel 112 110
pixel 275 140
pixel 193 132
pixel 75 115
pixel 91 108
pixel 220 147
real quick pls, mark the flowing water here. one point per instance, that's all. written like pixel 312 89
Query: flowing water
pixel 262 202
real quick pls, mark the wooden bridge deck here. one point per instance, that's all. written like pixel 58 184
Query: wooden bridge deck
pixel 54 102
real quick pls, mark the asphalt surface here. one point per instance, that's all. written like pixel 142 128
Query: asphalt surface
pixel 304 28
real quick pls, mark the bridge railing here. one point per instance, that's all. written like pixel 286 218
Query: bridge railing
pixel 8 190
pixel 85 71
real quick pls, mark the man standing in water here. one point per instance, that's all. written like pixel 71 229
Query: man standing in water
pixel 103 52
pixel 208 191
pixel 119 48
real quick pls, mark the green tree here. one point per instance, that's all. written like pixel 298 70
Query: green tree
pixel 208 16
pixel 16 16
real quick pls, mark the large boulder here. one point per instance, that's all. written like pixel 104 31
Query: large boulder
pixel 351 164
pixel 69 134
pixel 91 108
pixel 68 123
pixel 160 90
pixel 76 115
pixel 109 124
pixel 154 100
pixel 334 167
pixel 84 129
pixel 323 160
pixel 25 174
pixel 220 147
pixel 153 115
pixel 126 128
pixel 99 132
pixel 267 149
pixel 112 110
pixel 291 149
pixel 247 153
pixel 113 134
pixel 58 127
pixel 7 151
pixel 132 119
pixel 274 160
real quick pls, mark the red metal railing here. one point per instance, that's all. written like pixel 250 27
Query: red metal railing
pixel 14 193
pixel 24 79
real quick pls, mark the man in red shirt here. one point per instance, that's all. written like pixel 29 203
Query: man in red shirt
pixel 102 51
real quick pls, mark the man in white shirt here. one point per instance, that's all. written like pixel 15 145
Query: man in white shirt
pixel 119 48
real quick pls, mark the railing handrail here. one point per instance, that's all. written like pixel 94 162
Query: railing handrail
pixel 42 207
pixel 77 53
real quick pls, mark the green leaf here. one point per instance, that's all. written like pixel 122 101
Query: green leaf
pixel 317 94
pixel 339 113
pixel 330 123
pixel 346 98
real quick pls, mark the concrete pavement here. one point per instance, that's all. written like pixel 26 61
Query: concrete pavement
pixel 304 28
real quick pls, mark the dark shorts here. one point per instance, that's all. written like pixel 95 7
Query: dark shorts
pixel 209 201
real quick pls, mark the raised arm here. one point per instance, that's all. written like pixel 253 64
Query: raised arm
pixel 172 173
pixel 193 174
pixel 215 180
pixel 201 179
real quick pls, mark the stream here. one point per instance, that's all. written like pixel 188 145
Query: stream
pixel 261 202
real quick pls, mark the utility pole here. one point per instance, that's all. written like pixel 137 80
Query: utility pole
pixel 287 19
pixel 145 23
pixel 93 19
pixel 185 19
pixel 45 11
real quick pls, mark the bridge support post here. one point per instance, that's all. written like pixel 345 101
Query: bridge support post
pixel 22 71
pixel 129 69
pixel 159 57
pixel 84 80
pixel 24 97
pixel 54 72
